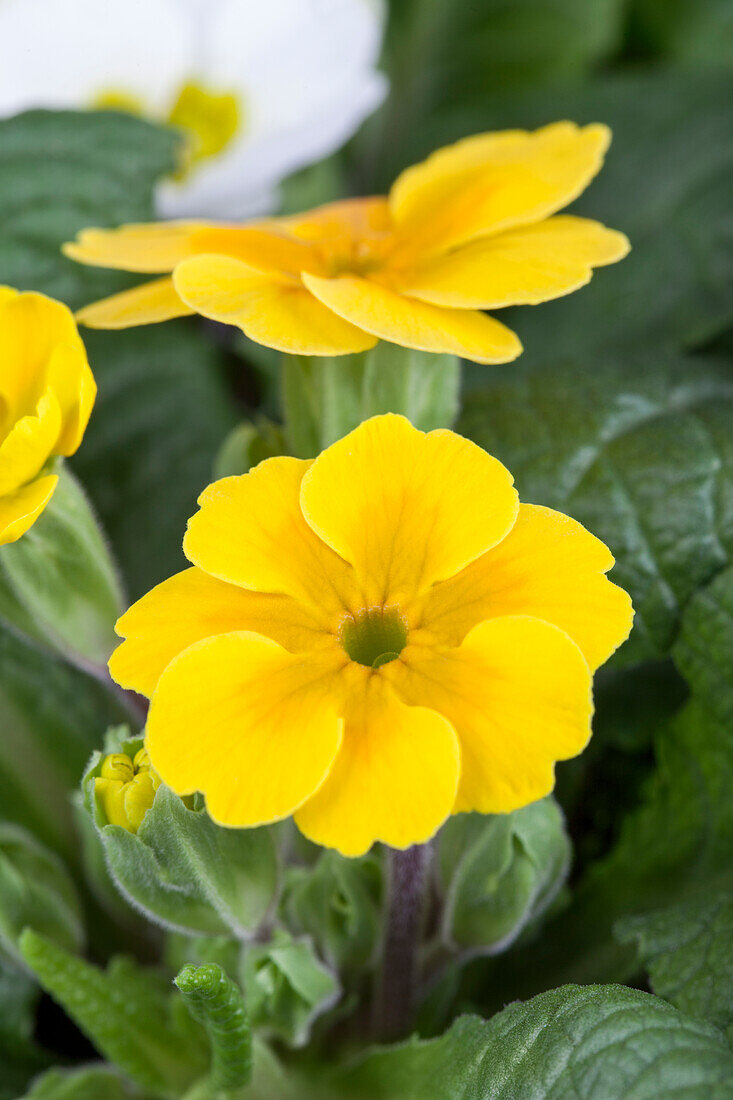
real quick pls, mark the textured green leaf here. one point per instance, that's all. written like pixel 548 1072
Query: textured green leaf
pixel 325 398
pixel 58 582
pixel 589 1043
pixel 216 1002
pixel 640 450
pixel 440 52
pixel 688 950
pixel 51 717
pixel 61 171
pixel 36 891
pixel 127 1013
pixel 20 1057
pixel 498 873
pixel 161 414
pixel 86 1083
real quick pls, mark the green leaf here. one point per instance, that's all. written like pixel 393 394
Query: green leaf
pixel 640 450
pixel 287 987
pixel 51 717
pixel 592 1043
pixel 180 869
pixel 695 33
pixel 337 903
pixel 61 171
pixel 125 1011
pixel 325 398
pixel 58 583
pixel 36 891
pixel 444 52
pixel 20 1057
pixel 86 1083
pixel 216 1002
pixel 687 949
pixel 499 873
pixel 161 414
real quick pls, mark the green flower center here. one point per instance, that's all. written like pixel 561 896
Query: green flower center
pixel 374 637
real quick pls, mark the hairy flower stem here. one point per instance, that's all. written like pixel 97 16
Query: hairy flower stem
pixel 406 883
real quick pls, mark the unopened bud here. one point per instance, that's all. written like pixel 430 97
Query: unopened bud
pixel 126 788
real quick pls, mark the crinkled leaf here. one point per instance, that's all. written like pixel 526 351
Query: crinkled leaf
pixel 127 1013
pixel 61 171
pixel 160 417
pixel 640 450
pixel 589 1043
pixel 687 949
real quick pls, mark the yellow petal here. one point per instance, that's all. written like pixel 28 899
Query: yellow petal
pixel 271 310
pixel 494 181
pixel 265 247
pixel 549 567
pixel 252 726
pixel 147 304
pixel 394 779
pixel 519 267
pixel 346 219
pixel 517 692
pixel 32 328
pixel 111 794
pixel 191 606
pixel 250 531
pixel 29 444
pixel 20 510
pixel 414 324
pixel 138 798
pixel 71 379
pixel 407 508
pixel 7 293
pixel 150 249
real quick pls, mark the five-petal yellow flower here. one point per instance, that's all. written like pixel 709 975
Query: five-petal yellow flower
pixel 473 227
pixel 372 641
pixel 46 395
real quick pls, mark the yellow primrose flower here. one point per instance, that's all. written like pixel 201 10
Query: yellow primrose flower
pixel 473 227
pixel 46 395
pixel 126 788
pixel 372 641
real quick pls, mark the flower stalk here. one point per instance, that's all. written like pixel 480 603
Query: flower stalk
pixel 405 905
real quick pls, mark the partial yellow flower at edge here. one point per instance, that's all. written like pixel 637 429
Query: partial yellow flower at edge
pixel 47 391
pixel 473 227
pixel 372 641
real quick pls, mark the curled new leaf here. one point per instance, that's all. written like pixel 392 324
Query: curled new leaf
pixel 216 1002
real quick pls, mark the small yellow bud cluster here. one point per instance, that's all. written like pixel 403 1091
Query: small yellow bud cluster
pixel 126 788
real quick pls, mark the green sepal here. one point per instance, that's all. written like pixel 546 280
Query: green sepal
pixel 58 584
pixel 216 1001
pixel 247 445
pixel 498 873
pixel 287 987
pixel 337 903
pixel 127 1012
pixel 180 869
pixel 325 398
pixel 36 890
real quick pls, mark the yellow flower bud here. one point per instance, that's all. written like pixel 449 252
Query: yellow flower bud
pixel 126 788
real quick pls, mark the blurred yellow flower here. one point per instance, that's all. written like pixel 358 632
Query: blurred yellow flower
pixel 372 641
pixel 473 227
pixel 46 395
pixel 126 788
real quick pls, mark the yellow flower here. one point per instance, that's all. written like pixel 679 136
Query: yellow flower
pixel 46 395
pixel 126 788
pixel 473 227
pixel 372 641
